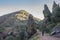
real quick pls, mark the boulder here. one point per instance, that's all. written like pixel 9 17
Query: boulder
pixel 56 30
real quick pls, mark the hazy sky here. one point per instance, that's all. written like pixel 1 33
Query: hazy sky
pixel 34 7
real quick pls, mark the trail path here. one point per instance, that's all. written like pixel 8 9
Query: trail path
pixel 47 37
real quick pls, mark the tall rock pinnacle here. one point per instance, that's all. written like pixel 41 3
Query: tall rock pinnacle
pixel 47 14
pixel 46 11
pixel 54 5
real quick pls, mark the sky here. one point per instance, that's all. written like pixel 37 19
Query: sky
pixel 34 7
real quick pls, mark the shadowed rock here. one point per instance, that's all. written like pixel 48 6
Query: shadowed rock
pixel 56 30
pixel 47 14
pixel 31 26
pixel 54 5
pixel 46 11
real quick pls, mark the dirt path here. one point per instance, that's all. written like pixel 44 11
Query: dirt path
pixel 47 37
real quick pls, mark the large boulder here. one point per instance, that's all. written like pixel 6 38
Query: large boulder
pixel 56 30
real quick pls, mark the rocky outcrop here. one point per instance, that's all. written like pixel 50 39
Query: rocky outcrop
pixel 47 14
pixel 56 30
pixel 46 11
pixel 54 5
pixel 31 26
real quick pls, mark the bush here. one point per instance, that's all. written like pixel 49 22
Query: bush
pixel 56 14
pixel 10 38
pixel 50 27
pixel 21 36
pixel 1 29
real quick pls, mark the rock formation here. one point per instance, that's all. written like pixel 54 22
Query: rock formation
pixel 47 13
pixel 31 26
pixel 56 30
pixel 54 5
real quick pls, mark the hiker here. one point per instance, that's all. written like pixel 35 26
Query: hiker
pixel 42 32
pixel 44 27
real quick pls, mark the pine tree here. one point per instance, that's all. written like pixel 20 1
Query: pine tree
pixel 56 14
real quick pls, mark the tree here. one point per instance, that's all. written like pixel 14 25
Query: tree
pixel 56 14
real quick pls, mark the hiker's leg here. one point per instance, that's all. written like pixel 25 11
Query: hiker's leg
pixel 42 33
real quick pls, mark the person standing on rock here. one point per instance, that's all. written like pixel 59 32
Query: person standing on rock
pixel 42 32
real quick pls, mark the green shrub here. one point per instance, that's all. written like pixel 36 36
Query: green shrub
pixel 10 38
pixel 56 14
pixel 1 29
pixel 21 36
pixel 49 27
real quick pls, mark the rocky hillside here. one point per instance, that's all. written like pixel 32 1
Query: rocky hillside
pixel 15 21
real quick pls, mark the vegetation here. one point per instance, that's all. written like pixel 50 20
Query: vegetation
pixel 1 29
pixel 24 26
pixel 54 19
pixel 35 36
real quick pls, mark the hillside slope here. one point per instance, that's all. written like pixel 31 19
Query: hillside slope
pixel 15 22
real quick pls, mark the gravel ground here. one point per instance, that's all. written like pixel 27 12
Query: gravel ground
pixel 47 37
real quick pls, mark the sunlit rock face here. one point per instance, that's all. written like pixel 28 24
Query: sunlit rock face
pixel 23 15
